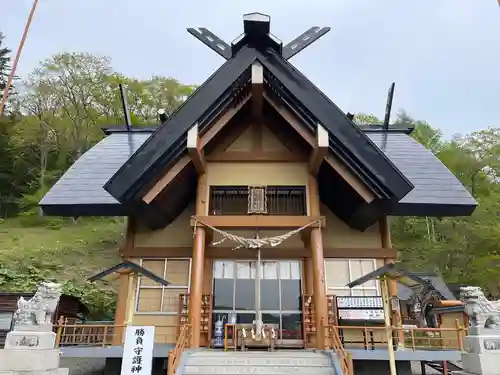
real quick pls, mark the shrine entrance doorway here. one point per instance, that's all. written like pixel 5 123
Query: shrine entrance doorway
pixel 280 297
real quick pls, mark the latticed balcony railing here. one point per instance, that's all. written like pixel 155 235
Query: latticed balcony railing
pixel 266 200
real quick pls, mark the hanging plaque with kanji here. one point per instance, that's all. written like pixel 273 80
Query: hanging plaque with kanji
pixel 138 350
pixel 257 200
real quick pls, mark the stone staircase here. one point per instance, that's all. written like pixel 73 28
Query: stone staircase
pixel 212 362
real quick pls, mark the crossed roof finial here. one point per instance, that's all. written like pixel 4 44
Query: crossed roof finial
pixel 256 31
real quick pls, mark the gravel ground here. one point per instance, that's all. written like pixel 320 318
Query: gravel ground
pixel 84 366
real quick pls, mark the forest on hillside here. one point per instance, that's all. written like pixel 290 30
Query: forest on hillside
pixel 55 114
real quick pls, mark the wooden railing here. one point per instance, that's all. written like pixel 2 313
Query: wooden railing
pixel 371 338
pixel 344 357
pixel 102 335
pixel 174 356
pixel 87 334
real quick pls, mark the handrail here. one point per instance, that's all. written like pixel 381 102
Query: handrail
pixel 174 355
pixel 102 335
pixel 344 357
pixel 414 338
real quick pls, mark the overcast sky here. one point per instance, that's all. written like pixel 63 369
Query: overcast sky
pixel 443 55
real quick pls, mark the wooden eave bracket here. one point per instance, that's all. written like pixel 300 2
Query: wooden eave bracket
pixel 320 150
pixel 195 152
pixel 257 89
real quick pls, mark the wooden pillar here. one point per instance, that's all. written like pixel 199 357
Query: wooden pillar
pixel 131 302
pixel 125 293
pixel 121 308
pixel 318 265
pixel 385 235
pixel 308 276
pixel 196 283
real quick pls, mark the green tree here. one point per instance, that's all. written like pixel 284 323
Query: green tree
pixel 366 119
pixel 4 64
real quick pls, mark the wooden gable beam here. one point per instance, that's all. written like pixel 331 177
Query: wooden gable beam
pixel 184 161
pixel 166 179
pixel 194 151
pixel 320 150
pixel 353 180
pixel 257 90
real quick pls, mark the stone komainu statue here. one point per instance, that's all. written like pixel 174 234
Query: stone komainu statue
pixel 482 313
pixel 40 308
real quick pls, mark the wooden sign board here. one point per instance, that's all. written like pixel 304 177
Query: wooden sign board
pixel 138 350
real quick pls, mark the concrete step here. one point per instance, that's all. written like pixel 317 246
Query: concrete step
pixel 259 361
pixel 262 370
pixel 259 354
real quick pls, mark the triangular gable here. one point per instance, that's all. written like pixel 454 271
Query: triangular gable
pixel 270 141
pixel 244 141
pixel 347 143
pixel 162 147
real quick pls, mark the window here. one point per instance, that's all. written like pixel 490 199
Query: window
pixel 5 320
pixel 280 297
pixel 234 286
pixel 340 272
pixel 271 200
pixel 153 298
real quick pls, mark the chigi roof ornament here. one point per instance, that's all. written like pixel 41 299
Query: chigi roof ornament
pixel 257 33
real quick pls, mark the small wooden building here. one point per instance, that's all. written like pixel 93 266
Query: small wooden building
pixel 70 307
pixel 417 305
pixel 448 316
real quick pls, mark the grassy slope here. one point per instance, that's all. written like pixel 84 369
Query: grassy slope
pixel 59 249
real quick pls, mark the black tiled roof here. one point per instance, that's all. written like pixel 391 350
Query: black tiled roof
pixel 80 190
pixel 116 172
pixel 437 191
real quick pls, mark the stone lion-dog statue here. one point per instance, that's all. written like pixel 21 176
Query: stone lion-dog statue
pixel 482 313
pixel 40 308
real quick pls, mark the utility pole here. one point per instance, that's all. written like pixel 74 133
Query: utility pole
pixel 16 59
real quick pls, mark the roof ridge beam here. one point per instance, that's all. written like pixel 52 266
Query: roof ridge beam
pixel 194 150
pixel 320 150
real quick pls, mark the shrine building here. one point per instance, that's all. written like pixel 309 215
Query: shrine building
pixel 256 160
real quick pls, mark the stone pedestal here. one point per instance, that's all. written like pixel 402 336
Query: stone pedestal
pixel 31 352
pixel 483 352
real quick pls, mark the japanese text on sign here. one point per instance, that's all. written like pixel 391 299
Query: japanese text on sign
pixel 138 351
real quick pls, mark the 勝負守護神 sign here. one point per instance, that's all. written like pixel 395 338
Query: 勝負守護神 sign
pixel 138 350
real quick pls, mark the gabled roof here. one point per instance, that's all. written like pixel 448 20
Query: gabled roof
pixel 80 191
pixel 130 267
pixel 393 271
pixel 168 142
pixel 347 143
pixel 437 282
pixel 376 162
pixel 437 192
